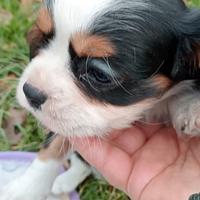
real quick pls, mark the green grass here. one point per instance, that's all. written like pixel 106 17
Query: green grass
pixel 194 2
pixel 13 58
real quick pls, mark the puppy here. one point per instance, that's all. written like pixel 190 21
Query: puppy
pixel 100 65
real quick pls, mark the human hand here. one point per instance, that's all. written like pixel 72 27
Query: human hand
pixel 146 162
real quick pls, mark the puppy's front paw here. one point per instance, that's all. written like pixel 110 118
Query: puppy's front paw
pixel 186 117
pixel 35 184
pixel 64 184
pixel 69 181
pixel 189 125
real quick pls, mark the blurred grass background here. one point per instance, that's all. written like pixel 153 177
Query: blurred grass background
pixel 14 23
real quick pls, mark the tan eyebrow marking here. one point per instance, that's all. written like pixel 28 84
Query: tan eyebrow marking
pixel 92 45
pixel 44 21
pixel 162 82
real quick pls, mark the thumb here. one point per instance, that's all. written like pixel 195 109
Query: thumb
pixel 113 163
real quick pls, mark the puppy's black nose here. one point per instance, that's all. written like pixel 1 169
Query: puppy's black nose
pixel 34 96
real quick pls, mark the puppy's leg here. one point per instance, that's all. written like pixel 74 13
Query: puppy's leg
pixel 183 107
pixel 180 107
pixel 37 181
pixel 185 113
pixel 79 170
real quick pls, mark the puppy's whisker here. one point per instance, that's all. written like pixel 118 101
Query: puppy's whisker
pixel 117 82
pixel 154 123
pixel 86 72
pixel 89 147
pixel 135 55
pixel 100 144
pixel 71 139
pixel 61 148
pixel 111 72
pixel 157 70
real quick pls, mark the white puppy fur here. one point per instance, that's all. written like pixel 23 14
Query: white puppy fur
pixel 41 180
pixel 70 180
pixel 36 183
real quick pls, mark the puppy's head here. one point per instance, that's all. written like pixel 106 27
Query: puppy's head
pixel 97 65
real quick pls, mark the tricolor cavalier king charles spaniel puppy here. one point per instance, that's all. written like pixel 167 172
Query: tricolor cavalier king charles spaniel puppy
pixel 100 65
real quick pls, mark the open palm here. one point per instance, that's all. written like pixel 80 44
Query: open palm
pixel 147 162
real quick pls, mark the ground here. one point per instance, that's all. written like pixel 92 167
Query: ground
pixel 15 19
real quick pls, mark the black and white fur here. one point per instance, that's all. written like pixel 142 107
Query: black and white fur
pixel 91 96
pixel 151 38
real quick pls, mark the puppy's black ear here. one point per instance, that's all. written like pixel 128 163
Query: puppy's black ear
pixel 187 60
pixel 34 38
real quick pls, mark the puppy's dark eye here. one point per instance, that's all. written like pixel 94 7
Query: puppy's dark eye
pixel 97 72
pixel 98 76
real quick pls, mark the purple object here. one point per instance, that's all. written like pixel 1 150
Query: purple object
pixel 28 157
pixel 21 156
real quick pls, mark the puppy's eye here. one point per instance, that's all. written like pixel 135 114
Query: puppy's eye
pixel 99 76
pixel 97 72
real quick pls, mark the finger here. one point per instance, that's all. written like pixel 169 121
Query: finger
pixel 132 139
pixel 148 129
pixel 160 152
pixel 113 163
pixel 129 140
